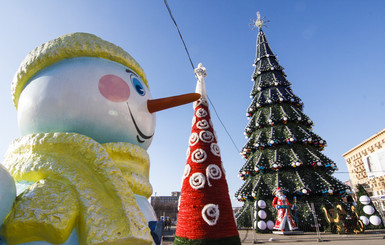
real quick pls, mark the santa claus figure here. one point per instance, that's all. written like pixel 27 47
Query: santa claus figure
pixel 283 207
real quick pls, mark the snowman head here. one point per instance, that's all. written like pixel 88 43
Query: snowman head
pixel 83 84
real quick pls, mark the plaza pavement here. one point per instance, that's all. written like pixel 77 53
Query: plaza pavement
pixel 370 237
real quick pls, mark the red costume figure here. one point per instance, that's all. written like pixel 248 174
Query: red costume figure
pixel 283 206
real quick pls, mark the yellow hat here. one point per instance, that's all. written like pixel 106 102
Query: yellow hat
pixel 65 47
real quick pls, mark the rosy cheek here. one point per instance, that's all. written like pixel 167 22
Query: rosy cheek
pixel 114 88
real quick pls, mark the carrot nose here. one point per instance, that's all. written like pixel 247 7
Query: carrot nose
pixel 165 103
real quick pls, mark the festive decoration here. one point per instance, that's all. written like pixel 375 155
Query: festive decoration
pixel 261 225
pixel 81 165
pixel 284 216
pixel 375 220
pixel 205 212
pixel 366 210
pixel 262 214
pixel 262 204
pixel 365 220
pixel 282 150
pixel 364 200
pixel 270 224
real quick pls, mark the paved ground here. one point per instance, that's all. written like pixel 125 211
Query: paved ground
pixel 311 238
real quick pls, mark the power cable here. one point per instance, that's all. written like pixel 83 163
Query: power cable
pixel 180 34
pixel 192 64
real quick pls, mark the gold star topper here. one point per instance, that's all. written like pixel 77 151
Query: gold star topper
pixel 259 22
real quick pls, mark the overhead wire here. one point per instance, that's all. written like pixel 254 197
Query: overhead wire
pixel 180 34
pixel 192 64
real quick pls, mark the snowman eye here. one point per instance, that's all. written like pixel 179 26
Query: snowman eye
pixel 136 83
pixel 138 86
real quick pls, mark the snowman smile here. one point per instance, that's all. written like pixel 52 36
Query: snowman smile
pixel 140 133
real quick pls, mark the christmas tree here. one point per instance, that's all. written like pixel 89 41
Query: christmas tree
pixel 282 151
pixel 205 212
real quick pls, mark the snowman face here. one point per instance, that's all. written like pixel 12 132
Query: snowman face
pixel 95 97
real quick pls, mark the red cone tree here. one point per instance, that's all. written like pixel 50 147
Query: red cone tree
pixel 205 212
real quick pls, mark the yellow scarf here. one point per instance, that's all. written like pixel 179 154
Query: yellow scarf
pixel 79 184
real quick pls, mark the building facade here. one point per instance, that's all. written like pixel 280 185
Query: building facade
pixel 166 206
pixel 366 165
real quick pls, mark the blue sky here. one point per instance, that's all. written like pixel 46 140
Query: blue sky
pixel 332 51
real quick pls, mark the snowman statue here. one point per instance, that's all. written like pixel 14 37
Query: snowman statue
pixel 80 170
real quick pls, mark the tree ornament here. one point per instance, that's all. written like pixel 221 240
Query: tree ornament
pixel 364 200
pixel 375 220
pixel 369 210
pixel 261 204
pixel 261 225
pixel 270 225
pixel 262 214
pixel 364 220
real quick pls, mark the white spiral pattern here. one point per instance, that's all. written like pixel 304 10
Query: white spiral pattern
pixel 194 138
pixel 186 173
pixel 197 181
pixel 203 124
pixel 194 120
pixel 199 102
pixel 201 112
pixel 210 214
pixel 215 149
pixel 188 153
pixel 187 170
pixel 206 136
pixel 213 172
pixel 179 199
pixel 199 156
